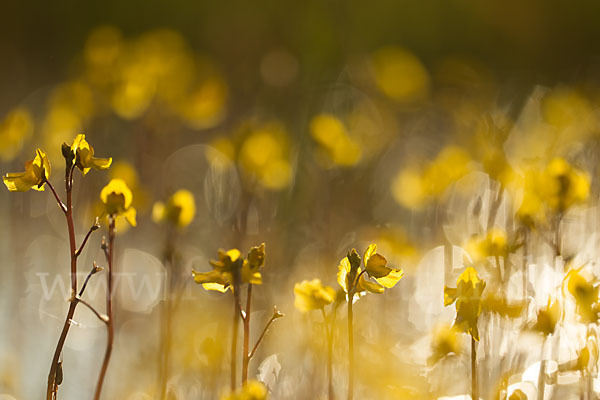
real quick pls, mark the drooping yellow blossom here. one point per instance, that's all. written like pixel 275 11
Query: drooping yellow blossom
pixel 15 128
pixel 229 265
pixel 37 172
pixel 117 198
pixel 83 156
pixel 252 390
pixel 584 290
pixel 312 295
pixel 180 209
pixel 444 341
pixel 548 317
pixel 467 296
pixel 351 277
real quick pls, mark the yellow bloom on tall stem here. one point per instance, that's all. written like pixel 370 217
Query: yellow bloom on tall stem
pixel 37 172
pixel 83 156
pixel 117 198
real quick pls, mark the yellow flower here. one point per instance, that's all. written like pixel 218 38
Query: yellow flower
pixel 587 357
pixel 231 262
pixel 37 172
pixel 312 295
pixel 251 265
pixel 15 128
pixel 83 156
pixel 179 210
pixel 493 244
pixel 351 277
pixel 548 317
pixel 585 292
pixel 117 198
pixel 444 341
pixel 252 390
pixel 376 266
pixel 467 296
pixel 556 188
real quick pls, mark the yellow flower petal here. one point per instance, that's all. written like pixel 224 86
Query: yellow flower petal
pixel 390 280
pixel 369 286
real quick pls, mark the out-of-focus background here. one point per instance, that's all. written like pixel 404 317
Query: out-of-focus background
pixel 314 127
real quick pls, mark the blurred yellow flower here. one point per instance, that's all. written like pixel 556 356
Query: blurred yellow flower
pixel 37 172
pixel 83 156
pixel 467 296
pixel 399 74
pixel 15 128
pixel 584 290
pixel 330 132
pixel 312 295
pixel 587 357
pixel 493 244
pixel 414 188
pixel 252 390
pixel 264 156
pixel 117 198
pixel 555 189
pixel 180 209
pixel 445 341
pixel 548 317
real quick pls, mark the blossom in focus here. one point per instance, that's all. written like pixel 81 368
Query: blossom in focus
pixel 351 277
pixel 37 172
pixel 229 264
pixel 179 209
pixel 117 198
pixel 467 296
pixel 312 295
pixel 83 156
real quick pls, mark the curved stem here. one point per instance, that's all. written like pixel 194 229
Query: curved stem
pixel 109 313
pixel 58 200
